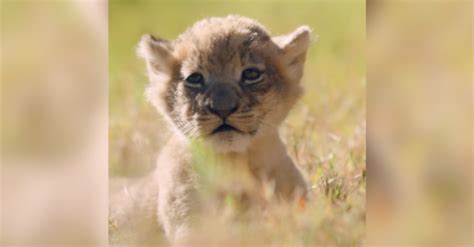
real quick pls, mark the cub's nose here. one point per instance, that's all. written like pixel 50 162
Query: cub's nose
pixel 223 111
pixel 222 101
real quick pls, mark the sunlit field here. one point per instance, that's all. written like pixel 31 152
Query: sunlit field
pixel 325 132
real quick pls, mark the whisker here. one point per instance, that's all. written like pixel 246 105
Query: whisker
pixel 203 118
pixel 263 122
pixel 241 116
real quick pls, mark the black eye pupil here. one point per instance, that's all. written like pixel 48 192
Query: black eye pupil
pixel 195 78
pixel 251 74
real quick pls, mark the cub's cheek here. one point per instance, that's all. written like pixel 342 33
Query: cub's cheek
pixel 183 108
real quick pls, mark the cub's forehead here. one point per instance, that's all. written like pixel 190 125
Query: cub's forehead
pixel 223 40
pixel 215 29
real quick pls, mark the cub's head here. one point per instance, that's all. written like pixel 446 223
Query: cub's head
pixel 225 80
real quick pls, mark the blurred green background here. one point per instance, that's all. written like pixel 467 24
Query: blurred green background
pixel 331 111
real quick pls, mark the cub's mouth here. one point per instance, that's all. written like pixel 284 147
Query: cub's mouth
pixel 225 128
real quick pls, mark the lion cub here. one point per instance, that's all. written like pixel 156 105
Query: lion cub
pixel 224 82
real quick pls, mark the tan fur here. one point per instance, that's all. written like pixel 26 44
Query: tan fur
pixel 220 49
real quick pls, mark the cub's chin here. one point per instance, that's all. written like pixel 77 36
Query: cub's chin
pixel 226 139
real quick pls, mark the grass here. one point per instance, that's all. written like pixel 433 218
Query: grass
pixel 325 132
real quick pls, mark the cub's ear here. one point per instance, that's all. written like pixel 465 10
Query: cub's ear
pixel 294 47
pixel 157 54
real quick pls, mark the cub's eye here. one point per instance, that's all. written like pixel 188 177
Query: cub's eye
pixel 251 75
pixel 195 80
